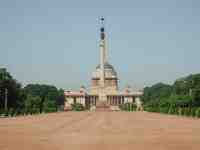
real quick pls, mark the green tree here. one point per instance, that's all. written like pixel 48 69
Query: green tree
pixel 32 104
pixel 49 106
pixel 48 94
pixel 181 98
pixel 13 88
pixel 157 91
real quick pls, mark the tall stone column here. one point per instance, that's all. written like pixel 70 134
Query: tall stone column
pixel 102 95
pixel 102 76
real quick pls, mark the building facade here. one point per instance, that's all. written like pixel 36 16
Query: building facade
pixel 104 92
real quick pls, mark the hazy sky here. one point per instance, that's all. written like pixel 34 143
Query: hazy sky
pixel 56 41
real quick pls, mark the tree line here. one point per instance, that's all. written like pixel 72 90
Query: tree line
pixel 31 99
pixel 180 98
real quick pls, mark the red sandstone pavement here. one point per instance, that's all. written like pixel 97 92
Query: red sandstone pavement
pixel 100 131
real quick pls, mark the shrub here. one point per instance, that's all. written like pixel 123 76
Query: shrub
pixel 78 107
pixel 188 112
pixel 172 110
pixel 19 111
pixel 35 110
pixel 27 111
pixel 6 112
pixel 164 110
pixel 180 111
pixel 50 109
pixel 1 111
pixel 11 112
pixel 49 106
pixel 126 106
pixel 122 107
pixel 133 107
pixel 184 111
pixel 197 112
pixel 193 110
pixel 176 111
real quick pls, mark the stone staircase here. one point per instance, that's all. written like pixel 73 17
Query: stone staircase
pixel 102 106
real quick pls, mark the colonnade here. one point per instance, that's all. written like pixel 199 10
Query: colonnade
pixel 119 99
pixel 92 99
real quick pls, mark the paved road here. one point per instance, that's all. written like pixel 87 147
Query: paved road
pixel 100 131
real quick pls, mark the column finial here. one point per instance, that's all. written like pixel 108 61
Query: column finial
pixel 102 29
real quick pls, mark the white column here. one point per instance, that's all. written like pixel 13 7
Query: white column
pixel 102 59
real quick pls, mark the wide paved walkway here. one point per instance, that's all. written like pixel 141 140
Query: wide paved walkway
pixel 100 131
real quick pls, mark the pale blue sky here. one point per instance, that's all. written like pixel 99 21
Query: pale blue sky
pixel 56 41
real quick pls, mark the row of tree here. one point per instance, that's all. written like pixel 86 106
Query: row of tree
pixel 31 99
pixel 182 97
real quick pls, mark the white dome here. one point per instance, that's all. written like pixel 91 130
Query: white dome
pixel 109 71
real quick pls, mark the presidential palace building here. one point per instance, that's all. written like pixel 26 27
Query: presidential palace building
pixel 103 92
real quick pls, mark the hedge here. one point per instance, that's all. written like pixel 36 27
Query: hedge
pixel 173 110
pixel 78 107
